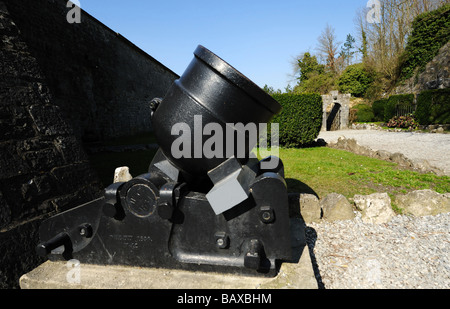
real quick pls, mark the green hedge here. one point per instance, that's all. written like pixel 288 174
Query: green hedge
pixel 378 109
pixel 433 107
pixel 390 106
pixel 300 120
pixel 364 113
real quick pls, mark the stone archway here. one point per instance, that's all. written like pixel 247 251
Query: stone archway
pixel 334 118
pixel 336 111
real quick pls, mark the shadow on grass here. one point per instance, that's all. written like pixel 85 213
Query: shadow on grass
pixel 296 186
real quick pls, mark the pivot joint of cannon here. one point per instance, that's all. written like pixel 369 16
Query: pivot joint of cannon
pixel 168 198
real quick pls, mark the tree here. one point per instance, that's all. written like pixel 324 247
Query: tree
pixel 308 64
pixel 328 47
pixel 356 79
pixel 317 83
pixel 363 49
pixel 348 50
pixel 384 41
pixel 270 90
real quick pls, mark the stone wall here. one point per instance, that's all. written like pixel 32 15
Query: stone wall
pixel 43 169
pixel 102 82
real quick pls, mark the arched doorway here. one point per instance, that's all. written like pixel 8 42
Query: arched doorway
pixel 334 118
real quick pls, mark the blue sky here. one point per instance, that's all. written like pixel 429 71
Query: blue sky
pixel 257 37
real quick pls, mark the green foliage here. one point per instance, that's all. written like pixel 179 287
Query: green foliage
pixel 309 66
pixel 364 113
pixel 378 109
pixel 300 120
pixel 347 51
pixel 356 79
pixel 396 100
pixel 431 31
pixel 433 107
pixel 270 90
pixel 363 49
pixel 313 76
pixel 317 83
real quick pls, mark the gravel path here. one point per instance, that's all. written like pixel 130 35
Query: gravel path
pixel 433 147
pixel 406 253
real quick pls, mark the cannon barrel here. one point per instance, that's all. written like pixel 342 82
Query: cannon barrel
pixel 215 92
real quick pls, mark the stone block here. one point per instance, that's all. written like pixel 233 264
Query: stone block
pixel 69 178
pixel 424 203
pixel 306 206
pixel 5 212
pixel 42 160
pixel 11 164
pixel 336 207
pixel 375 208
pixel 48 121
pixel 69 148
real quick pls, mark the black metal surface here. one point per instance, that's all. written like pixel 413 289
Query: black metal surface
pixel 163 218
pixel 217 92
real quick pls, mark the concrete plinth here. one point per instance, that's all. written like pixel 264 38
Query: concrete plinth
pixel 60 275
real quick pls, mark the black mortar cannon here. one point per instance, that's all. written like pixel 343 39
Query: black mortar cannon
pixel 206 202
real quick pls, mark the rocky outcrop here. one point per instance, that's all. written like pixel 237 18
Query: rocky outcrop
pixel 353 146
pixel 435 76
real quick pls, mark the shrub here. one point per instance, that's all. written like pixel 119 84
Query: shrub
pixel 364 113
pixel 378 109
pixel 403 122
pixel 300 120
pixel 390 106
pixel 355 80
pixel 316 83
pixel 433 107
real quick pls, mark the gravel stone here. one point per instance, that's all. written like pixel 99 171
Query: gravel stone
pixel 405 253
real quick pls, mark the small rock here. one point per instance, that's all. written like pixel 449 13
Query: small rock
pixel 376 208
pixel 400 159
pixel 336 207
pixel 424 203
pixel 122 174
pixel 382 155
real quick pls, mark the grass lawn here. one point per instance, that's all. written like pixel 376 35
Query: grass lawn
pixel 324 170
